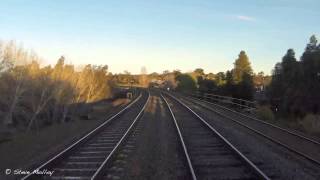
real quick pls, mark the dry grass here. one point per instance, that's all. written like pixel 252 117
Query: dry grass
pixel 28 149
pixel 311 123
pixel 265 113
pixel 26 146
pixel 118 102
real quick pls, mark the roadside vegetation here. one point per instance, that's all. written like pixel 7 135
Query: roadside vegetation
pixel 35 96
pixel 45 108
pixel 26 150
pixel 294 90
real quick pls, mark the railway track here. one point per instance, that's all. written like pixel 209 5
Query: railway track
pixel 209 155
pixel 293 141
pixel 88 157
pixel 115 169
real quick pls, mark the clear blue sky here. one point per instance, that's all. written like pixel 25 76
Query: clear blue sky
pixel 163 34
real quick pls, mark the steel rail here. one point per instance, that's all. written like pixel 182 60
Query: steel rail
pixel 82 139
pixel 242 156
pixel 265 136
pixel 99 171
pixel 261 121
pixel 181 141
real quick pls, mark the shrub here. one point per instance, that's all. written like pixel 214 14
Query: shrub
pixel 186 83
pixel 265 113
pixel 311 123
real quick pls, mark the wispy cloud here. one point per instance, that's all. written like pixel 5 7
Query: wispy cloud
pixel 245 18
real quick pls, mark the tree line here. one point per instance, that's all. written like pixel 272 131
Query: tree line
pixel 239 82
pixel 291 92
pixel 292 89
pixel 295 85
pixel 33 96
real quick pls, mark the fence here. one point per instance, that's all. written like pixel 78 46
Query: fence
pixel 241 103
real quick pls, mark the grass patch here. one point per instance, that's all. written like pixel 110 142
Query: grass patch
pixel 265 113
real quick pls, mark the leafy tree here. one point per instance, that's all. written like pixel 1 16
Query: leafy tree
pixel 241 66
pixel 310 62
pixel 220 78
pixel 210 76
pixel 295 85
pixel 199 72
pixel 259 79
pixel 228 88
pixel 242 81
pixel 312 45
pixel 245 89
pixel 284 77
pixel 185 83
pixel 197 75
pixel 176 73
pixel 206 85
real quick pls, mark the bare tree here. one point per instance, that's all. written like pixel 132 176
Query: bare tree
pixel 10 56
pixel 37 94
pixel 16 96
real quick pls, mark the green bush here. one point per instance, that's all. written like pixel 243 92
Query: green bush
pixel 265 113
pixel 311 123
pixel 186 83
